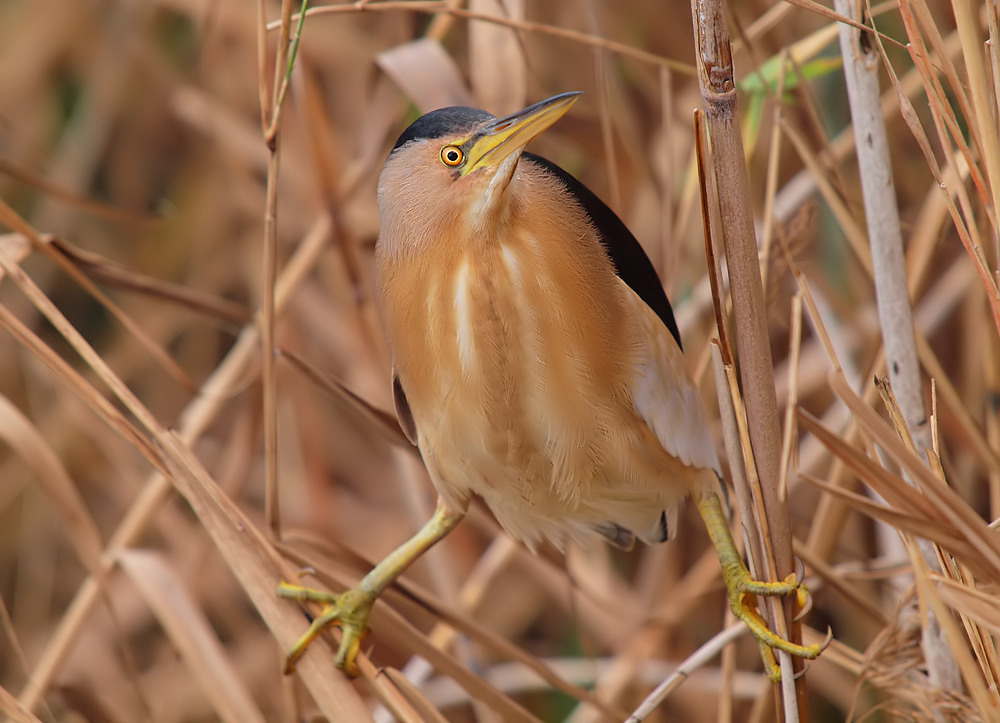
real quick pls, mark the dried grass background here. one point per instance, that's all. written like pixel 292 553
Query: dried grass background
pixel 137 562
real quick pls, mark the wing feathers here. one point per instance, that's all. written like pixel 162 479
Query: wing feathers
pixel 630 261
pixel 666 398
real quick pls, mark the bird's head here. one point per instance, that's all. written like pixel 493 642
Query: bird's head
pixel 452 167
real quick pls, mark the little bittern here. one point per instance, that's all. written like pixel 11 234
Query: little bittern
pixel 536 361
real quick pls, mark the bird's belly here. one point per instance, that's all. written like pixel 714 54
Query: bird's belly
pixel 553 476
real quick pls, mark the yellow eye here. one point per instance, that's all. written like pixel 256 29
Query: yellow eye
pixel 452 155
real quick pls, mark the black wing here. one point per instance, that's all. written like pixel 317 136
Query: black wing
pixel 626 253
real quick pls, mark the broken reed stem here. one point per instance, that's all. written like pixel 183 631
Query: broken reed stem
pixel 716 78
pixel 891 288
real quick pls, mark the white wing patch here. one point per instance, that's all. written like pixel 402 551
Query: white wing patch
pixel 664 395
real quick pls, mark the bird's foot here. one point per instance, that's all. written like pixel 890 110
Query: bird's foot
pixel 742 587
pixel 348 611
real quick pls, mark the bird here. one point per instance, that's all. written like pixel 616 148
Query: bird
pixel 536 363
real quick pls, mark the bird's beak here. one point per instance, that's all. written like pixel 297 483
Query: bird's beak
pixel 498 140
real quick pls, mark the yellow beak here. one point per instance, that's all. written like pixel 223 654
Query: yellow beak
pixel 496 141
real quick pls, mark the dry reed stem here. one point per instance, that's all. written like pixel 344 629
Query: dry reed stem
pixel 717 82
pixel 891 288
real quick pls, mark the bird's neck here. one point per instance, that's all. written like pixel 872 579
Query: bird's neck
pixel 490 209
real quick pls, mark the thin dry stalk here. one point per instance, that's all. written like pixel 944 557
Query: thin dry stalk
pixel 448 7
pixel 705 653
pixel 984 117
pixel 270 119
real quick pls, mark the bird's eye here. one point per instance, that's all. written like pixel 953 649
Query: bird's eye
pixel 452 155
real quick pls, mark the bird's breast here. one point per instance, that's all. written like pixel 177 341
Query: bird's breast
pixel 505 342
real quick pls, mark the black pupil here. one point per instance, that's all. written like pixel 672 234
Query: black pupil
pixel 453 156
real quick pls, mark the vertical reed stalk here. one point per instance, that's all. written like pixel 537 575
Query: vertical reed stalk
pixel 891 289
pixel 716 77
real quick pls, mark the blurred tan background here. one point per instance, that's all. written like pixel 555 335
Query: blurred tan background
pixel 131 133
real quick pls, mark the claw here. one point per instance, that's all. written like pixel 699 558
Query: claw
pixel 348 611
pixel 827 640
pixel 804 600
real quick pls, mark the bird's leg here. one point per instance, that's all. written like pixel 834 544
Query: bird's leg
pixel 741 585
pixel 350 610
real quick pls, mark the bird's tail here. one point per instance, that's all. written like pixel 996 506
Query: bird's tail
pixel 652 528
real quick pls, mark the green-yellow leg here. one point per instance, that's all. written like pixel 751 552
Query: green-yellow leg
pixel 740 584
pixel 351 609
